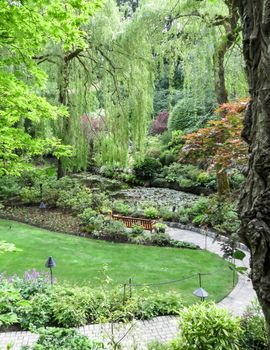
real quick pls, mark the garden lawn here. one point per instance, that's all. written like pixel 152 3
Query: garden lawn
pixel 89 262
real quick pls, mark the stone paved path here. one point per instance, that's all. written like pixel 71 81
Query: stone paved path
pixel 160 328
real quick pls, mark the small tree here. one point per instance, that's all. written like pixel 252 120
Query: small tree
pixel 159 124
pixel 219 144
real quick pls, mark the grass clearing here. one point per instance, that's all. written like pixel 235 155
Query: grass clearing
pixel 87 262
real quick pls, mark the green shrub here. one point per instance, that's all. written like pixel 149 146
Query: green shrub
pixel 38 313
pixel 112 227
pixel 65 193
pixel 153 147
pixel 151 212
pixel 148 203
pixel 199 219
pixel 9 188
pixel 121 207
pixel 166 213
pixel 210 211
pixel 204 178
pixel 137 230
pixel 70 307
pixel 177 172
pixel 10 301
pixel 182 244
pixel 94 223
pixel 87 216
pixel 183 214
pixel 201 206
pixel 159 182
pixel 140 239
pixel 168 157
pixel 237 180
pixel 228 221
pixel 254 326
pixel 187 175
pixel 185 183
pixel 159 227
pixel 160 239
pixel 64 339
pixel 77 199
pixel 129 178
pixel 147 168
pixel 204 326
pixel 183 220
pixel 100 201
pixel 148 304
pixel 155 345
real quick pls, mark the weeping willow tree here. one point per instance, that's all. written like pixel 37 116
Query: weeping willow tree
pixel 115 70
pixel 208 41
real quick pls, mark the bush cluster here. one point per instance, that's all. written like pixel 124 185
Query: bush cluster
pixel 53 338
pixel 104 227
pixel 187 175
pixel 211 212
pixel 147 168
pixel 66 306
pixel 204 326
pixel 66 193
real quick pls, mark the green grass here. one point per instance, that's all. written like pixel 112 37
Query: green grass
pixel 81 261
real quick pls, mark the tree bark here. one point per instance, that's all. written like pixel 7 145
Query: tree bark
pixel 255 199
pixel 230 25
pixel 220 83
pixel 223 184
pixel 63 100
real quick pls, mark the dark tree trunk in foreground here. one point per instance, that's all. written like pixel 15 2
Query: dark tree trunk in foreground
pixel 255 199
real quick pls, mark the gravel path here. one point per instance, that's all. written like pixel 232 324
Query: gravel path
pixel 160 328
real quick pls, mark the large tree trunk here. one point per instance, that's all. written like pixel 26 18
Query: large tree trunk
pixel 219 71
pixel 255 199
pixel 63 82
pixel 230 24
pixel 223 184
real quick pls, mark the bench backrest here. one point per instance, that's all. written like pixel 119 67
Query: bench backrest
pixel 130 221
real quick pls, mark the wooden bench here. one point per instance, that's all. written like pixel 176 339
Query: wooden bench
pixel 130 221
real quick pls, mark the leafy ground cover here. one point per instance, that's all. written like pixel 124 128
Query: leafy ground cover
pixel 87 262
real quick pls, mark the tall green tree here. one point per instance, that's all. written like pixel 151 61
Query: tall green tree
pixel 26 27
pixel 113 71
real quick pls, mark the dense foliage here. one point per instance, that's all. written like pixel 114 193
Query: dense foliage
pixel 219 144
pixel 64 339
pixel 32 303
pixel 22 109
pixel 207 327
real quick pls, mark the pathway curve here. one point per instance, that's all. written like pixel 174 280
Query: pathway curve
pixel 160 328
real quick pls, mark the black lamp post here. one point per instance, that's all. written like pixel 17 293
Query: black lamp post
pixel 201 293
pixel 42 205
pixel 50 263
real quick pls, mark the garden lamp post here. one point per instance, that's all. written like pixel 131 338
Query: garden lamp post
pixel 50 263
pixel 201 293
pixel 42 208
pixel 42 205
